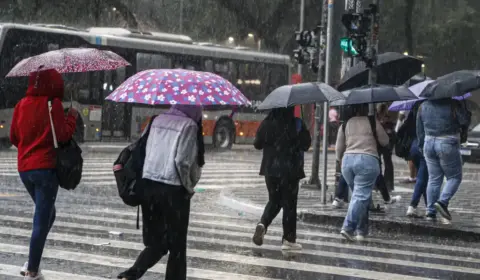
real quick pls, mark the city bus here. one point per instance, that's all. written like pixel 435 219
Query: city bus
pixel 254 73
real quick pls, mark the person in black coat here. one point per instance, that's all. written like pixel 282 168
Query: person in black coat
pixel 283 139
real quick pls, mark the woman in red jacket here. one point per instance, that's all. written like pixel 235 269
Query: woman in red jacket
pixel 31 133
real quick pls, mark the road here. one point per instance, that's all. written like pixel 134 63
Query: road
pixel 219 243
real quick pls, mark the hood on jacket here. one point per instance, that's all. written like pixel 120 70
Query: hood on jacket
pixel 45 83
pixel 192 111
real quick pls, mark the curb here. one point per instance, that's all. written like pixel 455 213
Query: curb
pixel 392 226
pixel 375 224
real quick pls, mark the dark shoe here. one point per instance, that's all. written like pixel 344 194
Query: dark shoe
pixel 259 234
pixel 431 217
pixel 443 210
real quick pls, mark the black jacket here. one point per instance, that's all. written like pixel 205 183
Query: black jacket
pixel 283 147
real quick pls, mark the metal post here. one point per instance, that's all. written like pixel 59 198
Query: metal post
pixel 328 71
pixel 372 48
pixel 302 20
pixel 314 179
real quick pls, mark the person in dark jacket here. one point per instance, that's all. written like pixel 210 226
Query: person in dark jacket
pixel 31 133
pixel 283 139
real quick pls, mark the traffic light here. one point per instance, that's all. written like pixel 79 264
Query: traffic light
pixel 308 49
pixel 347 46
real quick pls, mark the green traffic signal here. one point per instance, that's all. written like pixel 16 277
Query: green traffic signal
pixel 347 46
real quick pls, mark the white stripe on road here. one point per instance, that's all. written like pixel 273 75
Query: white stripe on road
pixel 218 256
pixel 14 271
pixel 125 263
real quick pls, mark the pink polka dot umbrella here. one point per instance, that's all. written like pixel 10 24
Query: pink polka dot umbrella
pixel 70 60
pixel 178 86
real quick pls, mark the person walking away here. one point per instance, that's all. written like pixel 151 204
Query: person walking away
pixel 356 148
pixel 31 133
pixel 283 139
pixel 172 168
pixel 408 132
pixel 333 124
pixel 439 124
pixel 402 117
pixel 387 151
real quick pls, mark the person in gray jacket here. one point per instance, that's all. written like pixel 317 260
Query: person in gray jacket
pixel 173 161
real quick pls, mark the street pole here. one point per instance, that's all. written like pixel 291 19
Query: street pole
pixel 181 17
pixel 314 179
pixel 373 49
pixel 302 20
pixel 328 74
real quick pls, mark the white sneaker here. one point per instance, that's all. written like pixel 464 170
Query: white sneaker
pixel 347 235
pixel 445 221
pixel 289 246
pixel 393 199
pixel 24 269
pixel 360 238
pixel 337 203
pixel 412 211
pixel 39 276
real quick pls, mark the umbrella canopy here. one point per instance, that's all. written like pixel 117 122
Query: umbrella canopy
pixel 375 94
pixel 417 89
pixel 454 84
pixel 392 69
pixel 298 94
pixel 178 86
pixel 420 77
pixel 70 60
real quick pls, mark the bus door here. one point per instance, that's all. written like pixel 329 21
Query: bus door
pixel 115 117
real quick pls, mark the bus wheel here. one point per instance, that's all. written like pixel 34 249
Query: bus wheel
pixel 224 134
pixel 78 136
pixel 5 144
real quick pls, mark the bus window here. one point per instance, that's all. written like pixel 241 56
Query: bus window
pixel 187 62
pixel 152 61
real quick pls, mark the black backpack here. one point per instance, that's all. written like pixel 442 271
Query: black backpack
pixel 128 170
pixel 405 136
pixel 69 161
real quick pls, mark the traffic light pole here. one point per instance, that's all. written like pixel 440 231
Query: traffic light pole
pixel 373 49
pixel 326 105
pixel 314 179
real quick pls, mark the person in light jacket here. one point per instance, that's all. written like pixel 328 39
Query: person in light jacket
pixel 174 157
pixel 358 152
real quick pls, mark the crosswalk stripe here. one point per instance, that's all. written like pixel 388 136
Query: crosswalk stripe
pixel 11 270
pixel 219 256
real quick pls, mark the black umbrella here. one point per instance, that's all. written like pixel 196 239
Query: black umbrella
pixel 298 94
pixel 454 84
pixel 392 69
pixel 420 77
pixel 375 94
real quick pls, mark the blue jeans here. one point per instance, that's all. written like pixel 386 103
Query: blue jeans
pixel 422 175
pixel 42 185
pixel 443 158
pixel 360 172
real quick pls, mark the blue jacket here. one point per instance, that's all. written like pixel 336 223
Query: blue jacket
pixel 440 118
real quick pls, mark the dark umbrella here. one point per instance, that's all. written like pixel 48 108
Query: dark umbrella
pixel 392 69
pixel 375 94
pixel 420 77
pixel 454 84
pixel 298 94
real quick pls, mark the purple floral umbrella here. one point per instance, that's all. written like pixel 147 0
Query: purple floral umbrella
pixel 178 86
pixel 417 89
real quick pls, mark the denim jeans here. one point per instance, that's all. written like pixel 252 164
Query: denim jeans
pixel 360 172
pixel 422 175
pixel 443 158
pixel 42 185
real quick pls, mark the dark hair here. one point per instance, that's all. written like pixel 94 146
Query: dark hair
pixel 201 145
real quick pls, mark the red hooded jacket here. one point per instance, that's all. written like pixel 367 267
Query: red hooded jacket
pixel 30 131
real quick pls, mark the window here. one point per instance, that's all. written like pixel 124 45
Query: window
pixel 147 61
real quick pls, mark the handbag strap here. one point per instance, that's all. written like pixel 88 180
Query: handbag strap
pixel 55 142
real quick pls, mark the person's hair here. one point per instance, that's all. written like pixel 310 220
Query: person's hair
pixel 360 110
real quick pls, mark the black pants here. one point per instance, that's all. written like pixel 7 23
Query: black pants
pixel 388 173
pixel 282 194
pixel 165 217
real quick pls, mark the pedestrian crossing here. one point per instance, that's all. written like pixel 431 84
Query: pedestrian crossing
pixel 94 237
pixel 82 246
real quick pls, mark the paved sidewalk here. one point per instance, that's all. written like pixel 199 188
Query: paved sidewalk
pixel 464 208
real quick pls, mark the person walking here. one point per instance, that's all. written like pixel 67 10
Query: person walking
pixel 402 117
pixel 386 152
pixel 439 123
pixel 283 139
pixel 31 133
pixel 356 148
pixel 408 131
pixel 172 168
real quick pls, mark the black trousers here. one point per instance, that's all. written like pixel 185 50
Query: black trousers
pixel 165 217
pixel 388 173
pixel 282 194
